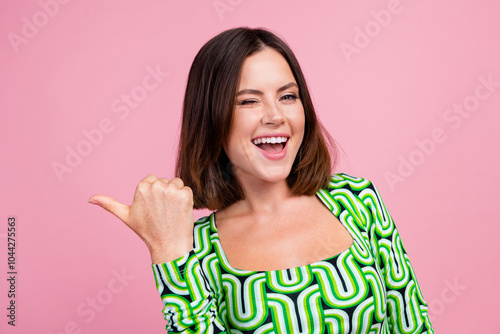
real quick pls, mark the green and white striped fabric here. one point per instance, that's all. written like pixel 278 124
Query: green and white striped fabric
pixel 369 288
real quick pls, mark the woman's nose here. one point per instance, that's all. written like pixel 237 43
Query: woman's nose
pixel 273 114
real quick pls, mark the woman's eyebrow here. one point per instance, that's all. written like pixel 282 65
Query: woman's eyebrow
pixel 258 92
pixel 291 84
pixel 249 91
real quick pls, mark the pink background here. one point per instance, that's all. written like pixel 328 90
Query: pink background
pixel 63 74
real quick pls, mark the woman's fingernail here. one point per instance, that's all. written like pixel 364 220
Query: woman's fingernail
pixel 93 201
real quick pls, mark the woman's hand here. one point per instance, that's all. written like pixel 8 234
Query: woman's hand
pixel 161 214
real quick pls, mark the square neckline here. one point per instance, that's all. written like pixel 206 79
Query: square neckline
pixel 236 271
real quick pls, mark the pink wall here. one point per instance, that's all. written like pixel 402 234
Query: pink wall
pixel 406 95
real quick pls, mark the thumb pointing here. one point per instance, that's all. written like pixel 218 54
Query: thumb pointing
pixel 110 204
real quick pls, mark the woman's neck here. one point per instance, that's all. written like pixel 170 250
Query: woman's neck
pixel 263 196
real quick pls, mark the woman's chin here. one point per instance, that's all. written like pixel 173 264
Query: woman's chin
pixel 276 175
pixel 264 174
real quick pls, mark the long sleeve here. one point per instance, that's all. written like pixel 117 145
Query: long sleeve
pixel 190 306
pixel 406 308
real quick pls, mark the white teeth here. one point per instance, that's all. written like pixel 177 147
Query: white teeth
pixel 269 140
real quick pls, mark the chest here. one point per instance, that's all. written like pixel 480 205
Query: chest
pixel 330 296
pixel 284 241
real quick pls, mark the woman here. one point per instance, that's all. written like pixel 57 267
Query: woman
pixel 290 248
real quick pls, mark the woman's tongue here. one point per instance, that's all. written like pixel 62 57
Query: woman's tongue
pixel 272 148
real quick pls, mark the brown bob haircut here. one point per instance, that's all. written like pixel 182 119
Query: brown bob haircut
pixel 207 115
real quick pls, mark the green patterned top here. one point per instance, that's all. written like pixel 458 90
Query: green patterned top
pixel 369 288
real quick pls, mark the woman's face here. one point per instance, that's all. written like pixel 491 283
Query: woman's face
pixel 268 120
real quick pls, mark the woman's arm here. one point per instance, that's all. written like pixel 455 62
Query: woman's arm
pixel 161 214
pixel 189 300
pixel 406 308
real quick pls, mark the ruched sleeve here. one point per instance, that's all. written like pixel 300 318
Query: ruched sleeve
pixel 190 306
pixel 407 310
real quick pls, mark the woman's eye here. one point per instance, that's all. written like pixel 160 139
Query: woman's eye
pixel 245 102
pixel 289 97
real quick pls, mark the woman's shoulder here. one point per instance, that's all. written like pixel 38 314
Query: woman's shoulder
pixel 359 197
pixel 204 220
pixel 348 182
pixel 202 235
pixel 356 188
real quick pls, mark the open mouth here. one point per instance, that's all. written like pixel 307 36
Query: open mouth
pixel 271 144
